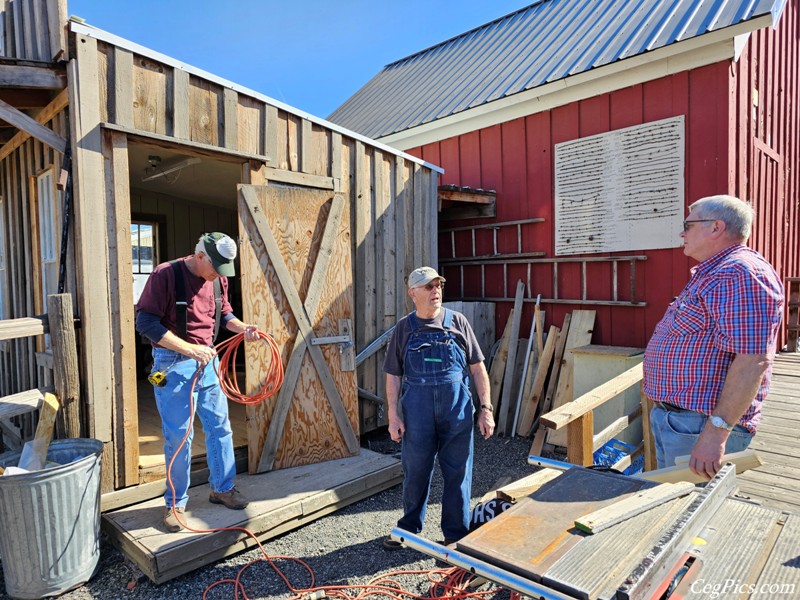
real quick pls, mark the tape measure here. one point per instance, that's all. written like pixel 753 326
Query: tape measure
pixel 158 379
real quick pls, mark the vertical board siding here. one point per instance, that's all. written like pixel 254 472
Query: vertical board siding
pixel 32 29
pixel 17 181
pixel 765 85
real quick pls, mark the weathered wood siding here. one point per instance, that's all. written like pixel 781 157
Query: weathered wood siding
pixel 23 278
pixel 129 91
pixel 33 29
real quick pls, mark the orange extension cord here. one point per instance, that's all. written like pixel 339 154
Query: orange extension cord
pixel 446 583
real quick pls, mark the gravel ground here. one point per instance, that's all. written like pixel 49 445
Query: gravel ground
pixel 342 549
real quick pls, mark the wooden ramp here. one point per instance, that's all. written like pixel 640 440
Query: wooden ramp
pixel 279 502
pixel 776 483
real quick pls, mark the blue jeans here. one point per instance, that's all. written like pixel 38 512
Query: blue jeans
pixel 676 432
pixel 211 405
pixel 439 424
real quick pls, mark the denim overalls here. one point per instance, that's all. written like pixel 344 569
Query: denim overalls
pixel 436 408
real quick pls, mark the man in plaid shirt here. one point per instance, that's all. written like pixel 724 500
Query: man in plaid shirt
pixel 708 365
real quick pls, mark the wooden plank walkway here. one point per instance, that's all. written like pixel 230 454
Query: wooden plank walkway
pixel 279 502
pixel 777 482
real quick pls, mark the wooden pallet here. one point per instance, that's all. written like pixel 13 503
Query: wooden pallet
pixel 279 502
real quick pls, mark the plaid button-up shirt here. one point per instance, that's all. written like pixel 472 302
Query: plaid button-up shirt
pixel 732 304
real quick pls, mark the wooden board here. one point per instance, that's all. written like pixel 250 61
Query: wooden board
pixel 297 284
pixel 580 334
pixel 632 506
pixel 498 366
pixel 507 399
pixel 547 519
pixel 531 399
pixel 279 502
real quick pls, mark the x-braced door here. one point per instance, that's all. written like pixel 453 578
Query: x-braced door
pixel 297 285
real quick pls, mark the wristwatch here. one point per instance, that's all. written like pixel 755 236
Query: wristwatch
pixel 487 407
pixel 718 421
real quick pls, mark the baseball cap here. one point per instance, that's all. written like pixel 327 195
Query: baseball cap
pixel 221 249
pixel 422 276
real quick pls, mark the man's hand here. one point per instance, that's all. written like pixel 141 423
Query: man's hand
pixel 486 423
pixel 396 428
pixel 202 354
pixel 251 333
pixel 706 458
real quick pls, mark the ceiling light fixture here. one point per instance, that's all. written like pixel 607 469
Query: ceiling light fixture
pixel 156 169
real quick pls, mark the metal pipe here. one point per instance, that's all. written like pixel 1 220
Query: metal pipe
pixel 476 567
pixel 541 461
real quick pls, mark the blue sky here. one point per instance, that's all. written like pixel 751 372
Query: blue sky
pixel 311 54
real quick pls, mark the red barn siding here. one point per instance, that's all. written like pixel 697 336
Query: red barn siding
pixel 516 159
pixel 764 144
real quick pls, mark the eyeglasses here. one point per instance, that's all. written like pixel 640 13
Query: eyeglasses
pixel 688 224
pixel 434 285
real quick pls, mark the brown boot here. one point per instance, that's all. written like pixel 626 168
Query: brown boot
pixel 171 521
pixel 230 499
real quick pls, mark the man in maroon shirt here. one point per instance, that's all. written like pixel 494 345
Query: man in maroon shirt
pixel 179 317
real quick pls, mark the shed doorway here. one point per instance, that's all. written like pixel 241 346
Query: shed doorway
pixel 175 197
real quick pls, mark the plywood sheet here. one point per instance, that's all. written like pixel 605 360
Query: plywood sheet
pixel 297 218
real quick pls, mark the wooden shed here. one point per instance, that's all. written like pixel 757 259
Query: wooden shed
pixel 595 124
pixel 328 221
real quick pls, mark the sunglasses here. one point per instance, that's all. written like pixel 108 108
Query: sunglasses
pixel 688 224
pixel 434 286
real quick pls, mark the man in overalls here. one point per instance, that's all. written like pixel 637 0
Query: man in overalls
pixel 432 352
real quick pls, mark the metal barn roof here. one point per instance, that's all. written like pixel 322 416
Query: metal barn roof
pixel 547 41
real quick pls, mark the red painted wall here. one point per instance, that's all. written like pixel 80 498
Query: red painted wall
pixel 516 159
pixel 765 149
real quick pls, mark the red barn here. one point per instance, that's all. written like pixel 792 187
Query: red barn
pixel 597 122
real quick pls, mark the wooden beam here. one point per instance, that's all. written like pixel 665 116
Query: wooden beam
pixel 481 197
pixel 295 178
pixel 744 460
pixel 91 244
pixel 66 378
pixel 42 78
pixel 11 329
pixel 631 506
pixel 58 104
pixel 562 416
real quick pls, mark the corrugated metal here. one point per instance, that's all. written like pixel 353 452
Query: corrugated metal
pixel 545 42
pixel 51 521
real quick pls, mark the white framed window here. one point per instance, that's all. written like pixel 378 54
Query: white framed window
pixel 144 253
pixel 47 196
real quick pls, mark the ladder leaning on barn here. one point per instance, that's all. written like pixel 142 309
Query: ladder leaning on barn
pixel 59 324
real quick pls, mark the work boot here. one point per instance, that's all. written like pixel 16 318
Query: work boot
pixel 390 544
pixel 171 521
pixel 233 498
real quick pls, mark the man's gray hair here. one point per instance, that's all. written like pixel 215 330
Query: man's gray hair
pixel 735 213
pixel 201 246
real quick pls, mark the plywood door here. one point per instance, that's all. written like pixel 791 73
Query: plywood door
pixel 297 285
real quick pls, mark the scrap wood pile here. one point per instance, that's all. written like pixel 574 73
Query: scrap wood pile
pixel 531 377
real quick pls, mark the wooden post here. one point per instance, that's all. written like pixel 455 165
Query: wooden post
pixel 65 364
pixel 647 433
pixel 580 435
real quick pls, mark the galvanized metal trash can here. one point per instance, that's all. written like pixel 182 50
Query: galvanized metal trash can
pixel 50 521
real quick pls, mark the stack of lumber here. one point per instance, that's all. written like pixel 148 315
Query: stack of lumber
pixel 523 387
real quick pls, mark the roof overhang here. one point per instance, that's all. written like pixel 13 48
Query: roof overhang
pixel 713 47
pixel 114 40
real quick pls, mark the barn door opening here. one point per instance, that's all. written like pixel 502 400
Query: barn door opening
pixel 297 284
